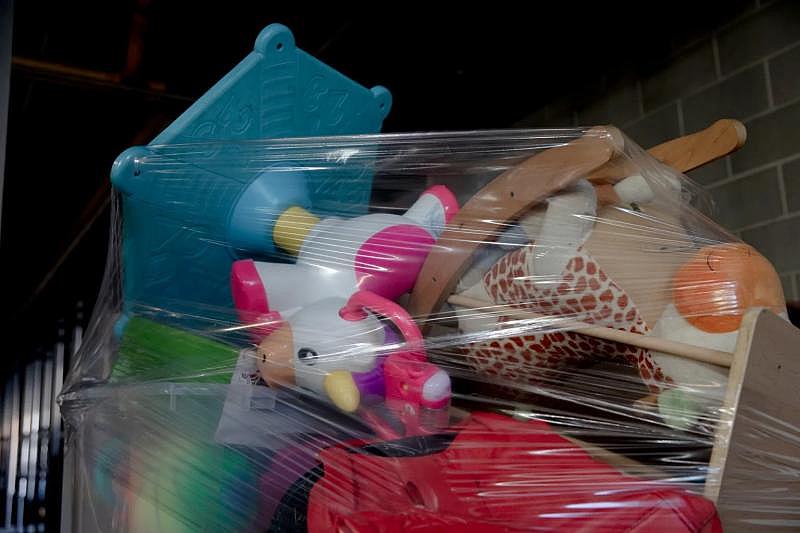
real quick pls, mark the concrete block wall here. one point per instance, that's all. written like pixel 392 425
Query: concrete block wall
pixel 748 68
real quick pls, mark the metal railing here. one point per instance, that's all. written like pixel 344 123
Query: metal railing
pixel 32 437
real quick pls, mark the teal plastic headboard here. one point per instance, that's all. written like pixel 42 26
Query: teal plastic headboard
pixel 181 233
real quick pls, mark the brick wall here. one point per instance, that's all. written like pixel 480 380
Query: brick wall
pixel 747 67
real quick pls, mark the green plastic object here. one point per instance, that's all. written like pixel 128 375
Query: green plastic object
pixel 149 350
pixel 187 486
pixel 678 409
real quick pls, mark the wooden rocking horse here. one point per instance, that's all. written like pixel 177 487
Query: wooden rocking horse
pixel 703 309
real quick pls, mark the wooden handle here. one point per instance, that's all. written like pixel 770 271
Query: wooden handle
pixel 504 199
pixel 692 151
pixel 684 153
pixel 687 351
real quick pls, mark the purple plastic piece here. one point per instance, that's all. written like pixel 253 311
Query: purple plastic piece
pixel 371 383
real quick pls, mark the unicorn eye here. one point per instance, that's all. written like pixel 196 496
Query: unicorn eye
pixel 307 355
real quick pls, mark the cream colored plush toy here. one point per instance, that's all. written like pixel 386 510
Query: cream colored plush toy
pixel 635 258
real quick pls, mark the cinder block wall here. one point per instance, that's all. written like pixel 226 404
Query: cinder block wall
pixel 747 68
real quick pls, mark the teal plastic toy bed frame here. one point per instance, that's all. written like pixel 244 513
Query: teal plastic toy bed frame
pixel 181 232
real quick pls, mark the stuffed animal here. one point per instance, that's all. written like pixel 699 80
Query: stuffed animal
pixel 631 257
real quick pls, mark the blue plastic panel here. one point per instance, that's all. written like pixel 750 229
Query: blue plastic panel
pixel 174 234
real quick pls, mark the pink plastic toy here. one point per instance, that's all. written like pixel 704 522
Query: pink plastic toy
pixel 316 321
pixel 341 350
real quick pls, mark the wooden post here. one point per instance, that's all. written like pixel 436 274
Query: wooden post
pixel 754 471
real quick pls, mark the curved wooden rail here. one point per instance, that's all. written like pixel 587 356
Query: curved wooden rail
pixel 506 198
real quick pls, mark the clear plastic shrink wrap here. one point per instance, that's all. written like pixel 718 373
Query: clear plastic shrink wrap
pixel 505 330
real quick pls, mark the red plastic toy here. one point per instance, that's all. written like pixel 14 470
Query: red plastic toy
pixel 497 474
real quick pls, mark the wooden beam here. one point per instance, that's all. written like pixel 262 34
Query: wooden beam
pixel 687 351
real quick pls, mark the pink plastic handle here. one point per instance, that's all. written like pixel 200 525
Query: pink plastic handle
pixel 362 301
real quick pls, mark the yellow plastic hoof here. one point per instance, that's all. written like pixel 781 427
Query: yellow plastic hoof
pixel 342 390
pixel 292 228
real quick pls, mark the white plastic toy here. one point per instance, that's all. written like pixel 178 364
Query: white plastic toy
pixel 293 310
pixel 379 252
pixel 341 350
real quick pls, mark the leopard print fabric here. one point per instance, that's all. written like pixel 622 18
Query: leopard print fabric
pixel 585 293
